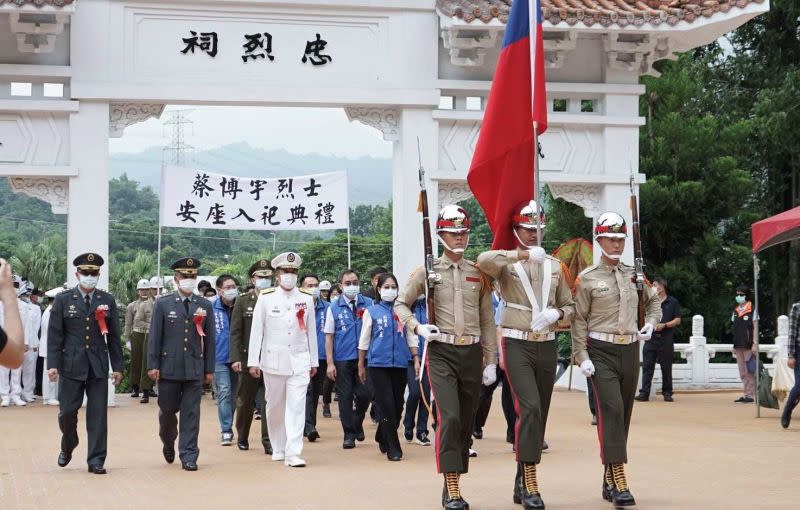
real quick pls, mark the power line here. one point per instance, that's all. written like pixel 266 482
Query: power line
pixel 175 152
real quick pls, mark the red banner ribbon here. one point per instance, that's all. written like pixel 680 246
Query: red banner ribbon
pixel 198 324
pixel 301 313
pixel 100 317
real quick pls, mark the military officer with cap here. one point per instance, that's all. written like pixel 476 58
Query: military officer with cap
pixel 605 340
pixel 283 346
pixel 180 357
pixel 78 355
pixel 537 296
pixel 250 389
pixel 461 350
pixel 136 335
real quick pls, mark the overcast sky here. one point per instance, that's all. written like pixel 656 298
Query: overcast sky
pixel 298 130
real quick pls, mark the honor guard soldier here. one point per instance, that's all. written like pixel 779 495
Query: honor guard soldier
pixel 180 356
pixel 537 296
pixel 461 351
pixel 605 340
pixel 250 389
pixel 141 324
pixel 136 335
pixel 283 346
pixel 82 336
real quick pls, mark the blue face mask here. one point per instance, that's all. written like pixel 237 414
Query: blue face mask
pixel 262 283
pixel 740 299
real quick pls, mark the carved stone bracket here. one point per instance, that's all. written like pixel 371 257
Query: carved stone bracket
pixel 585 195
pixel 636 52
pixel 122 115
pixel 385 120
pixel 451 192
pixel 53 190
pixel 35 35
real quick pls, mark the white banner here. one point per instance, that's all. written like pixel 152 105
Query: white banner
pixel 194 198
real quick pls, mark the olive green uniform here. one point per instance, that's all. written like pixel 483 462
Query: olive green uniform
pixel 141 329
pixel 529 358
pixel 135 367
pixel 464 315
pixel 249 387
pixel 605 331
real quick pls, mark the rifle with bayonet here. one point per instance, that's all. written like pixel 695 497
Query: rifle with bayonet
pixel 638 259
pixel 431 278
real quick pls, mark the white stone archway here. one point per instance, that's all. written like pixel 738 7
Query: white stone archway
pixel 409 68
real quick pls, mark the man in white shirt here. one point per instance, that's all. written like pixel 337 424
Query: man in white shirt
pixel 11 380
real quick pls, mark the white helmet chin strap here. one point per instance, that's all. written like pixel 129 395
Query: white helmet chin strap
pixel 457 250
pixel 612 257
pixel 520 240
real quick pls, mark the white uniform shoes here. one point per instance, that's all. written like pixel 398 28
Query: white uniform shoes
pixel 4 402
pixel 17 401
pixel 295 462
pixel 278 456
pixel 51 402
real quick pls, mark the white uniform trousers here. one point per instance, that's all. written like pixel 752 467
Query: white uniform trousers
pixel 49 389
pixel 29 373
pixel 286 412
pixel 10 382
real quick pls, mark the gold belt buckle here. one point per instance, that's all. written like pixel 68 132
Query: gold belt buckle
pixel 536 336
pixel 460 341
pixel 620 339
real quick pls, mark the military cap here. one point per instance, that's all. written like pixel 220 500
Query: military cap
pixel 186 265
pixel 287 260
pixel 144 283
pixel 260 268
pixel 156 282
pixel 88 261
pixel 324 285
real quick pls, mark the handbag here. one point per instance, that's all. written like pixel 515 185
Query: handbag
pixel 751 364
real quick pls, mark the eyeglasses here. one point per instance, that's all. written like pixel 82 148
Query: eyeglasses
pixel 87 272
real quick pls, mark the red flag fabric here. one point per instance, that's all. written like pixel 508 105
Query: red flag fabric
pixel 501 173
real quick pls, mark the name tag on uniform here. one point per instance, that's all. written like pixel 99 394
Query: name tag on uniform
pixel 602 286
pixel 475 279
pixel 172 314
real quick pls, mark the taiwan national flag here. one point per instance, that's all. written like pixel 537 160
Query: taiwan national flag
pixel 501 173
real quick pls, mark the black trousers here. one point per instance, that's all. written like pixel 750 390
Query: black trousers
pixel 315 389
pixel 351 394
pixel 389 385
pixel 507 401
pixel 183 397
pixel 250 391
pixel 70 399
pixel 661 352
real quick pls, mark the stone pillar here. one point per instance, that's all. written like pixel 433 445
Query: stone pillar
pixel 406 221
pixel 782 340
pixel 698 354
pixel 87 222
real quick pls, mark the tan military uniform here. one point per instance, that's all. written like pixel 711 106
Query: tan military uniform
pixel 136 340
pixel 464 314
pixel 141 326
pixel 604 331
pixel 529 358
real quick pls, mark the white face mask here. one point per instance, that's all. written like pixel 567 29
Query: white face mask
pixel 351 291
pixel 230 294
pixel 187 284
pixel 88 282
pixel 388 294
pixel 315 292
pixel 288 280
pixel 263 283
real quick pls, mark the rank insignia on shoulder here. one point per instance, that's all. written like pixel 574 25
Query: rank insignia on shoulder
pixel 268 291
pixel 305 291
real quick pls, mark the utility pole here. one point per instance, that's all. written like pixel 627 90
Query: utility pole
pixel 176 152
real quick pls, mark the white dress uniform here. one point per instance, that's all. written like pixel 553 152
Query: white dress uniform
pixel 285 351
pixel 49 389
pixel 33 320
pixel 11 380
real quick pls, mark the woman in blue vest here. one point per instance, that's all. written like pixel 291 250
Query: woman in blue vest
pixel 386 348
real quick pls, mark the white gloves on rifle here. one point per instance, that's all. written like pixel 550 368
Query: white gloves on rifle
pixel 545 319
pixel 537 254
pixel 428 332
pixel 489 374
pixel 587 368
pixel 645 333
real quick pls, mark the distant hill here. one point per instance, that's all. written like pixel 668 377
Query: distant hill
pixel 369 179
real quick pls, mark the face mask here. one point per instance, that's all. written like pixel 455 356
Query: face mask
pixel 351 291
pixel 288 280
pixel 315 292
pixel 457 250
pixel 740 299
pixel 262 283
pixel 88 282
pixel 187 284
pixel 230 294
pixel 388 294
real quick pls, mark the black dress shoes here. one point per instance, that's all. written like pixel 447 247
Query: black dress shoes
pixel 243 444
pixel 360 436
pixel 145 399
pixel 64 458
pixel 477 433
pixel 668 398
pixel 189 466
pixel 349 443
pixel 622 498
pixel 268 449
pixel 169 453
pixel 313 435
pixel 97 469
pixel 641 398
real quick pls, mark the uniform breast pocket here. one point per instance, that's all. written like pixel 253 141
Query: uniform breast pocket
pixel 270 359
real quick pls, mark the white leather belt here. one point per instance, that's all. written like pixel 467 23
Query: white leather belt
pixel 528 335
pixel 612 338
pixel 459 340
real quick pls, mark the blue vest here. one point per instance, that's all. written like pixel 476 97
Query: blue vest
pixel 420 309
pixel 388 347
pixel 347 327
pixel 321 309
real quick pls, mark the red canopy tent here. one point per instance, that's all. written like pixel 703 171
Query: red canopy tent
pixel 774 230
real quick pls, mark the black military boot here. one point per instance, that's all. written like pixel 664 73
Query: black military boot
pixel 145 397
pixel 518 485
pixel 608 482
pixel 451 494
pixel 135 393
pixel 620 493
pixel 531 499
pixel 786 416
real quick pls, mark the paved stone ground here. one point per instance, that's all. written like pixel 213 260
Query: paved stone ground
pixel 700 452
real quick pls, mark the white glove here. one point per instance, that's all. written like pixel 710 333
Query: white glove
pixel 544 319
pixel 428 332
pixel 537 254
pixel 587 368
pixel 489 374
pixel 645 333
